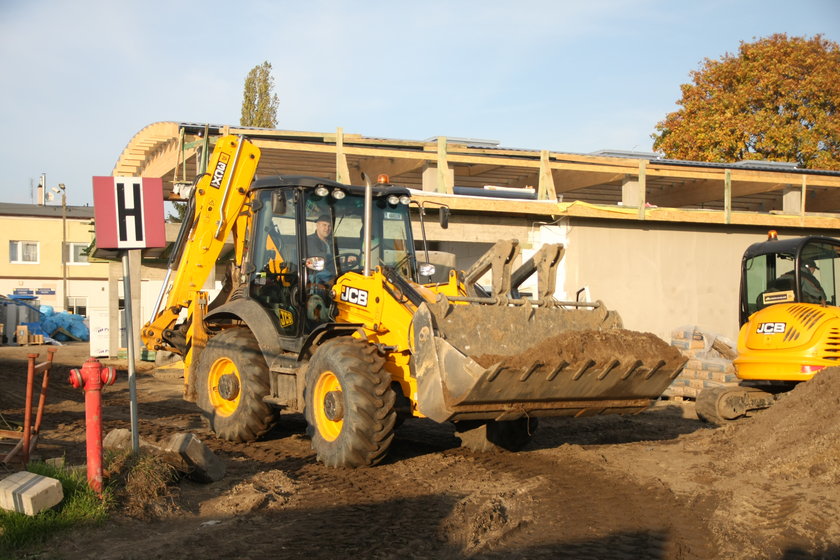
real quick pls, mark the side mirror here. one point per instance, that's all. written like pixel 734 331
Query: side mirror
pixel 443 216
pixel 278 203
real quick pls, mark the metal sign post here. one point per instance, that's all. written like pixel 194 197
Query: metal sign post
pixel 128 213
pixel 130 344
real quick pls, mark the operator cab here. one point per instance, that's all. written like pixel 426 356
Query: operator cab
pixel 308 232
pixel 799 270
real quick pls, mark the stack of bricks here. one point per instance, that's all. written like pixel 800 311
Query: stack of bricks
pixel 709 362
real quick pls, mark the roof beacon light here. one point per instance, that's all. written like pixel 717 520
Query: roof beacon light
pixel 772 235
pixel 383 179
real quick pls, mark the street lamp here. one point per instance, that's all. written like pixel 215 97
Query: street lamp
pixel 64 249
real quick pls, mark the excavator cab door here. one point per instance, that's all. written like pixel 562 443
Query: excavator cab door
pixel 275 280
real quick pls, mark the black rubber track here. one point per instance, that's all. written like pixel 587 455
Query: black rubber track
pixel 253 417
pixel 367 398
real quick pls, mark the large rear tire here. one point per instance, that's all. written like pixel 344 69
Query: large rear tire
pixel 349 404
pixel 494 436
pixel 231 381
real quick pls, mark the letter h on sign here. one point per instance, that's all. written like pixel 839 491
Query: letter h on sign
pixel 128 212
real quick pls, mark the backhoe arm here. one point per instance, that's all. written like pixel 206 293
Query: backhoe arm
pixel 215 208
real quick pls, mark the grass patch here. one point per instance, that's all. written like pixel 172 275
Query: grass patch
pixel 140 486
pixel 80 507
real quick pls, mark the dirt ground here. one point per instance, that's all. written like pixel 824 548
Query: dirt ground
pixel 658 485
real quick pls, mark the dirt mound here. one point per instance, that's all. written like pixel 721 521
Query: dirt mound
pixel 600 346
pixel 797 437
pixel 265 490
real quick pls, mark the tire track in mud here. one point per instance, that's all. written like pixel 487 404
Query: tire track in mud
pixel 576 507
pixel 452 502
pixel 438 502
pixel 781 523
pixel 376 512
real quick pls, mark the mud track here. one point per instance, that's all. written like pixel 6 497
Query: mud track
pixel 657 485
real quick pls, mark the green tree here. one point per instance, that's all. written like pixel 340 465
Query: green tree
pixel 776 100
pixel 259 102
pixel 180 213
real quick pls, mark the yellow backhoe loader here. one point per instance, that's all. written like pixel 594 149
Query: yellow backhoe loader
pixel 790 324
pixel 328 311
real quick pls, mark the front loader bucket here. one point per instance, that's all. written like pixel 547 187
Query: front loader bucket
pixel 502 362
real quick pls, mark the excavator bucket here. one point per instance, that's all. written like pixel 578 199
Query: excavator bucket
pixel 496 357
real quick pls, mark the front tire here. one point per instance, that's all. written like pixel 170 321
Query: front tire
pixel 349 404
pixel 231 381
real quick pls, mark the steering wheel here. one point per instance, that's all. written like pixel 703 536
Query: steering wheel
pixel 349 262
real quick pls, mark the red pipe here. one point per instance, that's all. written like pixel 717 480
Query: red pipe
pixel 27 411
pixel 91 378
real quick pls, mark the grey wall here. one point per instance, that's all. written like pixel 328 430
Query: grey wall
pixel 660 278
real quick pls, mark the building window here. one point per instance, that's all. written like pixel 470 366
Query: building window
pixel 77 305
pixel 76 253
pixel 23 252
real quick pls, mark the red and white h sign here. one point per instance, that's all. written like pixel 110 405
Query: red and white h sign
pixel 128 212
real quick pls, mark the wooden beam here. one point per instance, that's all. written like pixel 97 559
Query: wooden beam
pixel 546 189
pixel 642 189
pixel 584 210
pixel 727 197
pixel 445 179
pixel 342 171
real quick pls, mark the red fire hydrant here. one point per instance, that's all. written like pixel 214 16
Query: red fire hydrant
pixel 91 378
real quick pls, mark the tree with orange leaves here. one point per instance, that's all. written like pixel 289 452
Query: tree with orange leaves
pixel 777 100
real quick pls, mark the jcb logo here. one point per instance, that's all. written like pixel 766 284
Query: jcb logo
pixel 771 328
pixel 354 295
pixel 219 172
pixel 286 318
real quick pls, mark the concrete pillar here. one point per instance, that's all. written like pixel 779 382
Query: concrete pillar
pixel 431 183
pixel 792 200
pixel 630 194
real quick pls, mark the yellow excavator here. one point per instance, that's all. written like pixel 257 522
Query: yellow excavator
pixel 790 324
pixel 329 310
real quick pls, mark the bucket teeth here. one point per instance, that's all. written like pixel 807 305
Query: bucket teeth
pixel 484 362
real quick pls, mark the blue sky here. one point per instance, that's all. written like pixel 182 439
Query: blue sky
pixel 80 78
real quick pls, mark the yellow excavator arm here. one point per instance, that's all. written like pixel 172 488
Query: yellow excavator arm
pixel 215 211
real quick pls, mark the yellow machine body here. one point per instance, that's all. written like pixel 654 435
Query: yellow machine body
pixel 790 324
pixel 329 336
pixel 788 342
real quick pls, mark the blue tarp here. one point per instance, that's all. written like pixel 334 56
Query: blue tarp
pixel 52 322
